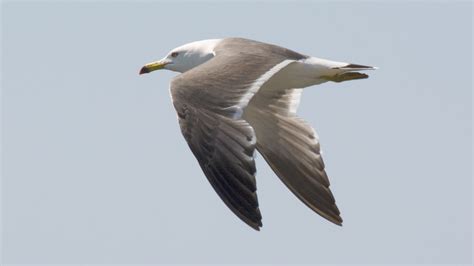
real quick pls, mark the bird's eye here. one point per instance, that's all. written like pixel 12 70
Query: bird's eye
pixel 174 54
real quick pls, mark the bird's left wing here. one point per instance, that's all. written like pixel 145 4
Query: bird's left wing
pixel 209 100
pixel 224 148
pixel 291 148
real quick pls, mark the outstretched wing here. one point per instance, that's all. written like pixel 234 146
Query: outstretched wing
pixel 224 148
pixel 290 146
pixel 209 100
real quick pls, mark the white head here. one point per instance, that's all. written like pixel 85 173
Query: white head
pixel 185 57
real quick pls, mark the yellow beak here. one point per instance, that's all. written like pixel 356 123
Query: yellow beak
pixel 153 66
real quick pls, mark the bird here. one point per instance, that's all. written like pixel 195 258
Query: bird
pixel 236 96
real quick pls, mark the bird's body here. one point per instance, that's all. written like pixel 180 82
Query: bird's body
pixel 235 96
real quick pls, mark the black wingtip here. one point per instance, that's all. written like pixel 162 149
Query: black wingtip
pixel 337 220
pixel 357 66
pixel 255 225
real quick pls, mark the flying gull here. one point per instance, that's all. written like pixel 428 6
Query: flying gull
pixel 235 96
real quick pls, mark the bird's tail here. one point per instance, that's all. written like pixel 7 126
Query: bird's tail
pixel 347 72
pixel 328 70
pixel 354 67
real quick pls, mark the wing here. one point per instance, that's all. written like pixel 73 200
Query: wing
pixel 224 148
pixel 291 147
pixel 209 100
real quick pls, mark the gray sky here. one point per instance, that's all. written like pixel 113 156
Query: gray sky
pixel 95 169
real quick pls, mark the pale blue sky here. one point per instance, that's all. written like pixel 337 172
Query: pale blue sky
pixel 95 169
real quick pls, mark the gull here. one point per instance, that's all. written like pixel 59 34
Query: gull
pixel 235 96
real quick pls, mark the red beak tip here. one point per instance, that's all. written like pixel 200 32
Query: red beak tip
pixel 144 70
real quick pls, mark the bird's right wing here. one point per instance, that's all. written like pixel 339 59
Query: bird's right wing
pixel 291 148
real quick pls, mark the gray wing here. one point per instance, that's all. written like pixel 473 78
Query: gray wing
pixel 209 100
pixel 291 147
pixel 224 148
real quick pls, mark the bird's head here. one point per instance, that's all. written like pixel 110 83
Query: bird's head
pixel 184 58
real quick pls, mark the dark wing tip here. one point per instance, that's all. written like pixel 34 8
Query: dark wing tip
pixel 329 215
pixel 256 227
pixel 358 66
pixel 338 221
pixel 355 67
pixel 253 221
